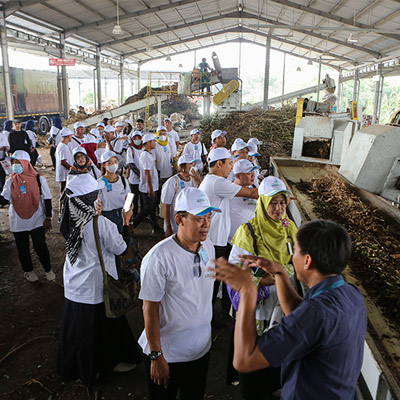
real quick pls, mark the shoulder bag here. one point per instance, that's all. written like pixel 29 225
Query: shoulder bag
pixel 120 295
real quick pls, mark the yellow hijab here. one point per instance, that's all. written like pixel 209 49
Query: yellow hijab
pixel 165 142
pixel 272 236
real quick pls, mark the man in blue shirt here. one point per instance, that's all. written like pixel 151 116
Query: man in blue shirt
pixel 319 344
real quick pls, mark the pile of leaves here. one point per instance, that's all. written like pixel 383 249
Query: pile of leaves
pixel 375 258
pixel 274 127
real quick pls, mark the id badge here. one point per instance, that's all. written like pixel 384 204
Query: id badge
pixel 22 189
pixel 195 147
pixel 165 149
pixel 109 187
pixel 289 246
pixel 182 185
pixel 204 256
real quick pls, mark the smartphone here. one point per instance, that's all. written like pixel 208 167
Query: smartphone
pixel 258 272
pixel 128 201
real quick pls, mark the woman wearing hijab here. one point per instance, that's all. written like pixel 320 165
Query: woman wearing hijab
pixel 269 234
pixel 54 139
pixel 90 343
pixel 29 128
pixel 132 163
pixel 114 191
pixel 83 164
pixel 4 148
pixel 30 213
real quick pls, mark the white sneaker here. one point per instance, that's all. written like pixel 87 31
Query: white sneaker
pixel 50 276
pixel 124 367
pixel 31 276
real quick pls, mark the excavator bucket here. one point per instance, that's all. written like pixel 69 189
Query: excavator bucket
pixel 225 92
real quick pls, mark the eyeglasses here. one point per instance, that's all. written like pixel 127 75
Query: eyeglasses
pixel 197 266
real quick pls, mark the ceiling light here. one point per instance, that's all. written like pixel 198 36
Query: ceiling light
pixel 310 62
pixel 352 39
pixel 298 69
pixel 180 66
pixel 168 58
pixel 117 30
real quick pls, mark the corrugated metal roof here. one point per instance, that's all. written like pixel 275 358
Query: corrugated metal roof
pixel 155 27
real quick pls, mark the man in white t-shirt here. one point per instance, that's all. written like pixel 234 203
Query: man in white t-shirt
pixel 173 136
pixel 218 139
pixel 132 163
pixel 177 303
pixel 77 138
pixel 242 209
pixel 220 191
pixel 64 159
pixel 196 150
pixel 170 190
pixel 148 183
pixel 240 149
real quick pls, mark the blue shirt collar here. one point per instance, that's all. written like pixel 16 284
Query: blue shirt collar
pixel 323 284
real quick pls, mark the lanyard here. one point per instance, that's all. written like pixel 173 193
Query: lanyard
pixel 334 285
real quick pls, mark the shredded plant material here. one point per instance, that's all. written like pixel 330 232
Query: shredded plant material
pixel 375 259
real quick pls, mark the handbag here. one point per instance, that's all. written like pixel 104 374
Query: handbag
pixel 120 295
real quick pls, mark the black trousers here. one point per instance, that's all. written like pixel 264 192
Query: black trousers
pixel 39 244
pixel 135 191
pixel 53 156
pixel 186 378
pixel 148 209
pixel 34 155
pixel 2 178
pixel 222 251
pixel 259 385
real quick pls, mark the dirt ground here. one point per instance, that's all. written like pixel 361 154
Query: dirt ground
pixel 30 318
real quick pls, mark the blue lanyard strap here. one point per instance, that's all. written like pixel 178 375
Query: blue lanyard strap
pixel 334 285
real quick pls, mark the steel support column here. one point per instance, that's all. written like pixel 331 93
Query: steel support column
pixel 355 85
pixel 159 110
pixel 339 91
pixel 121 80
pixel 98 78
pixel 283 76
pixel 378 94
pixel 6 67
pixel 266 73
pixel 139 84
pixel 94 89
pixel 319 78
pixel 64 83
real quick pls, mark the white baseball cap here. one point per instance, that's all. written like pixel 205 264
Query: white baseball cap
pixel 161 128
pixel 255 141
pixel 167 119
pixel 119 124
pixel 20 155
pixel 186 159
pixel 194 201
pixel 271 185
pixel 109 128
pixel 128 121
pixel 95 132
pixel 252 150
pixel 137 133
pixel 148 137
pixel 239 144
pixel 217 133
pixel 66 132
pixel 79 124
pixel 81 184
pixel 77 150
pixel 194 131
pixel 107 155
pixel 244 167
pixel 100 124
pixel 219 153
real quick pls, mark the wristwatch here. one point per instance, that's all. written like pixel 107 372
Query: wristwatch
pixel 155 354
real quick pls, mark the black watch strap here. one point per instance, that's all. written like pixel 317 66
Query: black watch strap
pixel 155 354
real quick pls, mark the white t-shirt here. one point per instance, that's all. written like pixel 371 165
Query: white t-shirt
pixel 18 224
pixel 146 163
pixel 220 191
pixel 4 143
pixel 195 151
pixel 32 136
pixel 163 156
pixel 99 152
pixel 173 139
pixel 112 196
pixel 63 152
pixel 83 281
pixel 242 210
pixel 169 191
pixel 75 142
pixel 132 157
pixel 168 276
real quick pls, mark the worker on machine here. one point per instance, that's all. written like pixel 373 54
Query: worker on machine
pixel 205 70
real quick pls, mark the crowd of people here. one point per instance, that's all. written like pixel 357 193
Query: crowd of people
pixel 228 235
